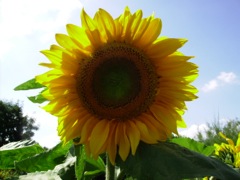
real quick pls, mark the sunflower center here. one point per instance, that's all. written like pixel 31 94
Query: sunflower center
pixel 117 82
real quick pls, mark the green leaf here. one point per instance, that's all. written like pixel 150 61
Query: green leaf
pixel 194 145
pixel 96 163
pixel 46 160
pixel 64 171
pixel 30 84
pixel 17 151
pixel 37 99
pixel 92 173
pixel 87 167
pixel 170 161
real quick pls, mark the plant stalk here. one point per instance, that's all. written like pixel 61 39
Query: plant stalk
pixel 110 170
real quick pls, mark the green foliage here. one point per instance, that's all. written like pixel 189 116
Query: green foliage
pixel 57 163
pixel 230 129
pixel 194 145
pixel 64 171
pixel 13 125
pixel 17 151
pixel 86 167
pixel 32 84
pixel 170 161
pixel 28 156
pixel 37 99
pixel 166 160
pixel 46 160
pixel 8 174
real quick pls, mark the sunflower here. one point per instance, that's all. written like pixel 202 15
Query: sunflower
pixel 114 83
pixel 229 153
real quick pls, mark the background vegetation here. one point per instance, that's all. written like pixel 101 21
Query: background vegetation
pixel 211 135
pixel 14 126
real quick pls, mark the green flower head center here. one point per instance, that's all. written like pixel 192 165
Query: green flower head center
pixel 117 82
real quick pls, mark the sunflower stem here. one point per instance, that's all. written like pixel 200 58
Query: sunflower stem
pixel 80 163
pixel 110 170
pixel 121 175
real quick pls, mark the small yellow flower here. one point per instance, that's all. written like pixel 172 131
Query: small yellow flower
pixel 114 83
pixel 229 153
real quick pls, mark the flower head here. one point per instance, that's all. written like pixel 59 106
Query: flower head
pixel 114 82
pixel 229 153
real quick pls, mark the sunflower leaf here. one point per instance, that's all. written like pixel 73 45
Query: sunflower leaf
pixel 46 160
pixel 87 167
pixel 63 171
pixel 169 161
pixel 194 145
pixel 17 151
pixel 37 99
pixel 30 84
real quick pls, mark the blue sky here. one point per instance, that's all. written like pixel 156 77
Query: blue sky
pixel 212 28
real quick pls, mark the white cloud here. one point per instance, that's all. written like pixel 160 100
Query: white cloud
pixel 211 85
pixel 222 79
pixel 192 131
pixel 227 77
pixel 21 18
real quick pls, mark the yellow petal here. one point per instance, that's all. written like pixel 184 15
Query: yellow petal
pixel 151 33
pixel 87 21
pixel 111 145
pixel 141 29
pixel 133 135
pixel 66 123
pixel 135 25
pixel 165 47
pixel 238 140
pixel 65 41
pixel 105 24
pixel 87 129
pixel 126 20
pixel 54 56
pixel 78 34
pixel 118 132
pixel 144 132
pixel 163 133
pixel 163 115
pixel 95 38
pixel 99 136
pixel 230 142
pixel 151 129
pixel 124 145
